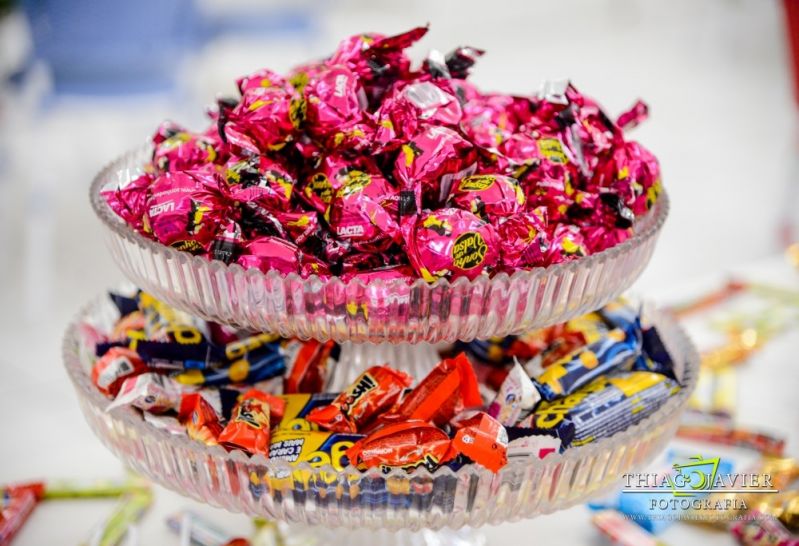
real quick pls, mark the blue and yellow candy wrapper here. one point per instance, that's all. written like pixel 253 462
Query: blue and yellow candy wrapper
pixel 614 351
pixel 608 405
pixel 317 448
pixel 264 363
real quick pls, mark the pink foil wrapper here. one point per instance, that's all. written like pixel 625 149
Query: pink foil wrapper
pixel 130 201
pixel 567 244
pixel 358 162
pixel 261 79
pixel 451 243
pixel 364 211
pixel 176 149
pixel 524 241
pixel 409 106
pixel 490 196
pixel 259 181
pixel 431 161
pixel 270 253
pixel 633 173
pixel 184 209
pixel 322 183
pixel 334 98
pixel 262 121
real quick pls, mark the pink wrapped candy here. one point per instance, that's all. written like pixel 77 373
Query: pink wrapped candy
pixel 184 209
pixel 430 161
pixel 322 183
pixel 364 211
pixel 409 106
pixel 488 195
pixel 259 181
pixel 130 201
pixel 524 240
pixel 176 149
pixel 262 121
pixel 451 243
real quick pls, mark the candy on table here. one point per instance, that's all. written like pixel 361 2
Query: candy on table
pixel 759 529
pixel 621 531
pixel 128 510
pixel 195 530
pixel 15 511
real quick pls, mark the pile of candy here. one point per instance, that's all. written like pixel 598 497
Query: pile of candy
pixel 583 380
pixel 359 163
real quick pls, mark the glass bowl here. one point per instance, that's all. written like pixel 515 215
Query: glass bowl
pixel 471 496
pixel 378 311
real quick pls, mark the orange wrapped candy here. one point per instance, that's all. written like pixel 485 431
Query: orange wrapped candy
pixel 375 390
pixel 407 444
pixel 308 372
pixel 249 425
pixel 481 438
pixel 447 390
pixel 200 419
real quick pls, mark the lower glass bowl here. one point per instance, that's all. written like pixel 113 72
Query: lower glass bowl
pixel 391 311
pixel 303 494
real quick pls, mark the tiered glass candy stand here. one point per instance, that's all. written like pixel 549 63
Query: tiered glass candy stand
pixel 376 323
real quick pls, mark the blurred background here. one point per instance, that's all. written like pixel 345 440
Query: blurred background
pixel 81 81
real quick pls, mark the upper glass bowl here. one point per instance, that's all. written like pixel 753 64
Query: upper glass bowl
pixel 378 311
pixel 471 496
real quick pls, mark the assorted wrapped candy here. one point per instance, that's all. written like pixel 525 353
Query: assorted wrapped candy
pixel 486 402
pixel 362 161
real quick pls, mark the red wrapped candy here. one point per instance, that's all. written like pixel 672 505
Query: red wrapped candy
pixel 249 425
pixel 406 444
pixel 114 367
pixel 451 243
pixel 308 373
pixel 375 390
pixel 200 419
pixel 448 389
pixel 481 438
